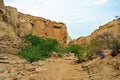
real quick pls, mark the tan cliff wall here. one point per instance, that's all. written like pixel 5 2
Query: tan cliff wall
pixel 9 41
pixel 112 27
pixel 42 27
pixel 14 25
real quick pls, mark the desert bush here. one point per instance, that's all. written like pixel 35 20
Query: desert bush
pixel 32 53
pixel 105 41
pixel 115 47
pixel 88 51
pixel 96 45
pixel 82 52
pixel 60 50
pixel 37 48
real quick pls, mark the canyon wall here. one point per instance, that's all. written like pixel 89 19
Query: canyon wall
pixel 112 27
pixel 42 27
pixel 14 25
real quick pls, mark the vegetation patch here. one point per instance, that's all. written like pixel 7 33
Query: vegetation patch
pixel 37 48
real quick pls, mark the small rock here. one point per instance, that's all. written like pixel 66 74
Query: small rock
pixel 8 79
pixel 19 76
pixel 29 67
pixel 12 62
pixel 13 72
pixel 49 60
pixel 2 78
pixel 6 75
pixel 33 75
pixel 69 58
pixel 40 69
pixel 6 71
pixel 39 63
pixel 2 69
pixel 22 61
pixel 25 78
pixel 13 77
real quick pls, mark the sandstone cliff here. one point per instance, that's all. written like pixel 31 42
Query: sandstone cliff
pixel 42 27
pixel 112 27
pixel 14 25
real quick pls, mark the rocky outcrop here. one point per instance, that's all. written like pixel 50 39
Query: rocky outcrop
pixel 9 41
pixel 1 4
pixel 42 27
pixel 106 69
pixel 112 27
pixel 14 25
pixel 80 40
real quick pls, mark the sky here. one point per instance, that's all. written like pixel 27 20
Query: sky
pixel 81 17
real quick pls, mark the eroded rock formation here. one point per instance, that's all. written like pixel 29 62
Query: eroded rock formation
pixel 42 27
pixel 112 27
pixel 14 25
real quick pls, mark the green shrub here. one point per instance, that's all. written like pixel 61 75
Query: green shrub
pixel 34 40
pixel 37 48
pixel 82 52
pixel 105 41
pixel 115 47
pixel 77 50
pixel 32 53
pixel 60 50
pixel 87 52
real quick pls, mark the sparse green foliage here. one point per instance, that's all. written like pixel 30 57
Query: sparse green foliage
pixel 32 53
pixel 105 41
pixel 74 49
pixel 37 48
pixel 115 47
pixel 82 52
pixel 40 48
pixel 96 45
pixel 61 50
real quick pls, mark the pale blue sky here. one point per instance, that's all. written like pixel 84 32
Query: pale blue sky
pixel 80 16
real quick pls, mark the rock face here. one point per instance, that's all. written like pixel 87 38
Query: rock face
pixel 14 25
pixel 106 69
pixel 9 41
pixel 112 27
pixel 1 3
pixel 42 27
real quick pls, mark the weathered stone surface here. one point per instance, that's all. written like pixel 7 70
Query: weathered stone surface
pixel 1 3
pixel 40 69
pixel 42 27
pixel 112 27
pixel 80 40
pixel 97 69
pixel 9 42
pixel 2 69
